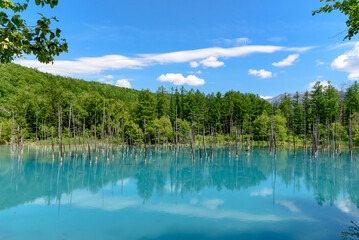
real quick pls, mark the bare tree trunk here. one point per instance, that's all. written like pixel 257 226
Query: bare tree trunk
pixel 350 135
pixel 37 136
pixel 305 129
pixel 175 127
pixel 69 130
pixel 22 139
pixel 103 125
pixel 191 142
pixel 293 137
pixel 204 141
pixel 88 148
pixel 248 146
pixel 60 131
pixel 83 136
pixel 73 121
pixel 272 134
pixel 52 142
pixel 144 126
pixel 236 143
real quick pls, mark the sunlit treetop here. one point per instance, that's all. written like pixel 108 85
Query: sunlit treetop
pixel 17 38
pixel 350 8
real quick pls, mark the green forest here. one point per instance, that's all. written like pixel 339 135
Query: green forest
pixel 35 106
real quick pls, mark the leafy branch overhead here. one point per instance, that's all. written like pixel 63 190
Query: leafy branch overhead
pixel 17 38
pixel 349 7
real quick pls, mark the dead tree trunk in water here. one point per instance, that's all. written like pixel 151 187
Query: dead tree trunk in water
pixel 191 142
pixel 83 137
pixel 60 131
pixel 144 126
pixel 69 133
pixel 204 141
pixel 176 129
pixel 272 134
pixel 236 143
pixel 305 129
pixel 293 137
pixel 13 131
pixel 103 125
pixel 248 146
pixel 350 135
pixel 52 142
pixel 37 136
pixel 74 127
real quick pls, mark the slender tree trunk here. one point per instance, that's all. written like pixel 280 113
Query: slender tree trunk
pixel 191 143
pixel 236 143
pixel 350 135
pixel 176 128
pixel 144 126
pixel 69 130
pixel 74 131
pixel 293 138
pixel 52 142
pixel 60 131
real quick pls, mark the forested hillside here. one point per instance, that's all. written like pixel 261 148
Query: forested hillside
pixel 32 104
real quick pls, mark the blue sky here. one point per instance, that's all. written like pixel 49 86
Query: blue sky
pixel 258 46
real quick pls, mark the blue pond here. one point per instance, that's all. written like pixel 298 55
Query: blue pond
pixel 120 196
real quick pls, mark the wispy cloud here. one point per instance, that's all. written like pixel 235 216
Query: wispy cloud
pixel 289 61
pixel 95 65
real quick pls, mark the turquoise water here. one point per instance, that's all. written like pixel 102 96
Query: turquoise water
pixel 255 196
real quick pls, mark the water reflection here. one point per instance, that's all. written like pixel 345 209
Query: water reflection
pixel 34 174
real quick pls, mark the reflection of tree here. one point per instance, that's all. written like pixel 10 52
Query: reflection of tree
pixel 33 177
pixel 353 232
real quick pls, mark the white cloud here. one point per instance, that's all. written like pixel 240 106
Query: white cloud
pixel 194 64
pixel 265 97
pixel 263 74
pixel 208 62
pixel 262 193
pixel 288 61
pixel 348 62
pixel 324 83
pixel 211 62
pixel 95 65
pixel 125 83
pixel 179 79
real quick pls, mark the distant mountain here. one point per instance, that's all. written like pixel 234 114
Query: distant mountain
pixel 279 97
